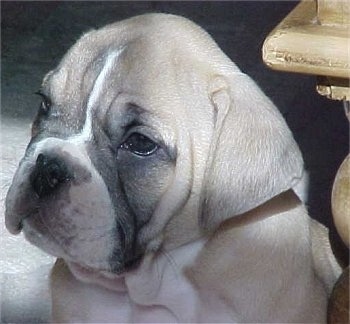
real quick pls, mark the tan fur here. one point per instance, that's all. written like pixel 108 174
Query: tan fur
pixel 228 241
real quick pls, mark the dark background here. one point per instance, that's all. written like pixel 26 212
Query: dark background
pixel 35 35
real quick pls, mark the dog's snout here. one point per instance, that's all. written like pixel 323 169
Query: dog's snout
pixel 49 173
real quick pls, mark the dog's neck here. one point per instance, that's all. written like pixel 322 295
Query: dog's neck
pixel 279 204
pixel 169 278
pixel 166 271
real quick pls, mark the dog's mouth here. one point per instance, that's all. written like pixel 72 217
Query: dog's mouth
pixel 41 235
pixel 83 272
pixel 101 277
pixel 73 225
pixel 107 279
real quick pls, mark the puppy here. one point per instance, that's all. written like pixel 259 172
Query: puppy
pixel 162 177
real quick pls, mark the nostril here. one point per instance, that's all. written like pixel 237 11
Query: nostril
pixel 48 174
pixel 54 174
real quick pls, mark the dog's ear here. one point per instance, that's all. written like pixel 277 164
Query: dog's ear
pixel 253 156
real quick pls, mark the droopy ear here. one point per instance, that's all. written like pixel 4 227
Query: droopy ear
pixel 253 155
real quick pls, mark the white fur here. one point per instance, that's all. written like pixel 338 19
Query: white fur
pixel 86 133
pixel 162 289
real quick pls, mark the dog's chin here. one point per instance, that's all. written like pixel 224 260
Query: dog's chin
pixel 37 233
pixel 109 280
pixel 34 232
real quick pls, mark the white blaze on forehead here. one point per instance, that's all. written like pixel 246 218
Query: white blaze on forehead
pixel 86 133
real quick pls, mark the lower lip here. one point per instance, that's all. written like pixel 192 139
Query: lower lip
pixel 85 271
pixel 106 279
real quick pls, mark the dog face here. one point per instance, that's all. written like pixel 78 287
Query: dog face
pixel 147 134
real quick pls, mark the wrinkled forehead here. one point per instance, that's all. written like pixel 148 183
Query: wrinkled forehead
pixel 147 69
pixel 88 75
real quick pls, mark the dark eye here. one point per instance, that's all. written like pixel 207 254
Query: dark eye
pixel 139 145
pixel 45 104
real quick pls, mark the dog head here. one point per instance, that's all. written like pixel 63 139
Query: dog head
pixel 147 136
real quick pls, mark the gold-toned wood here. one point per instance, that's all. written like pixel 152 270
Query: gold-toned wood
pixel 301 44
pixel 315 39
pixel 338 307
pixel 341 202
pixel 334 88
pixel 333 12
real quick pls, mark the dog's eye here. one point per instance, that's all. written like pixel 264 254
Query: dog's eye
pixel 45 104
pixel 139 145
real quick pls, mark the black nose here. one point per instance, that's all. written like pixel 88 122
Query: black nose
pixel 49 173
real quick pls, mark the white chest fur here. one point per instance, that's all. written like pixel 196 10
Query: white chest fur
pixel 157 292
pixel 250 274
